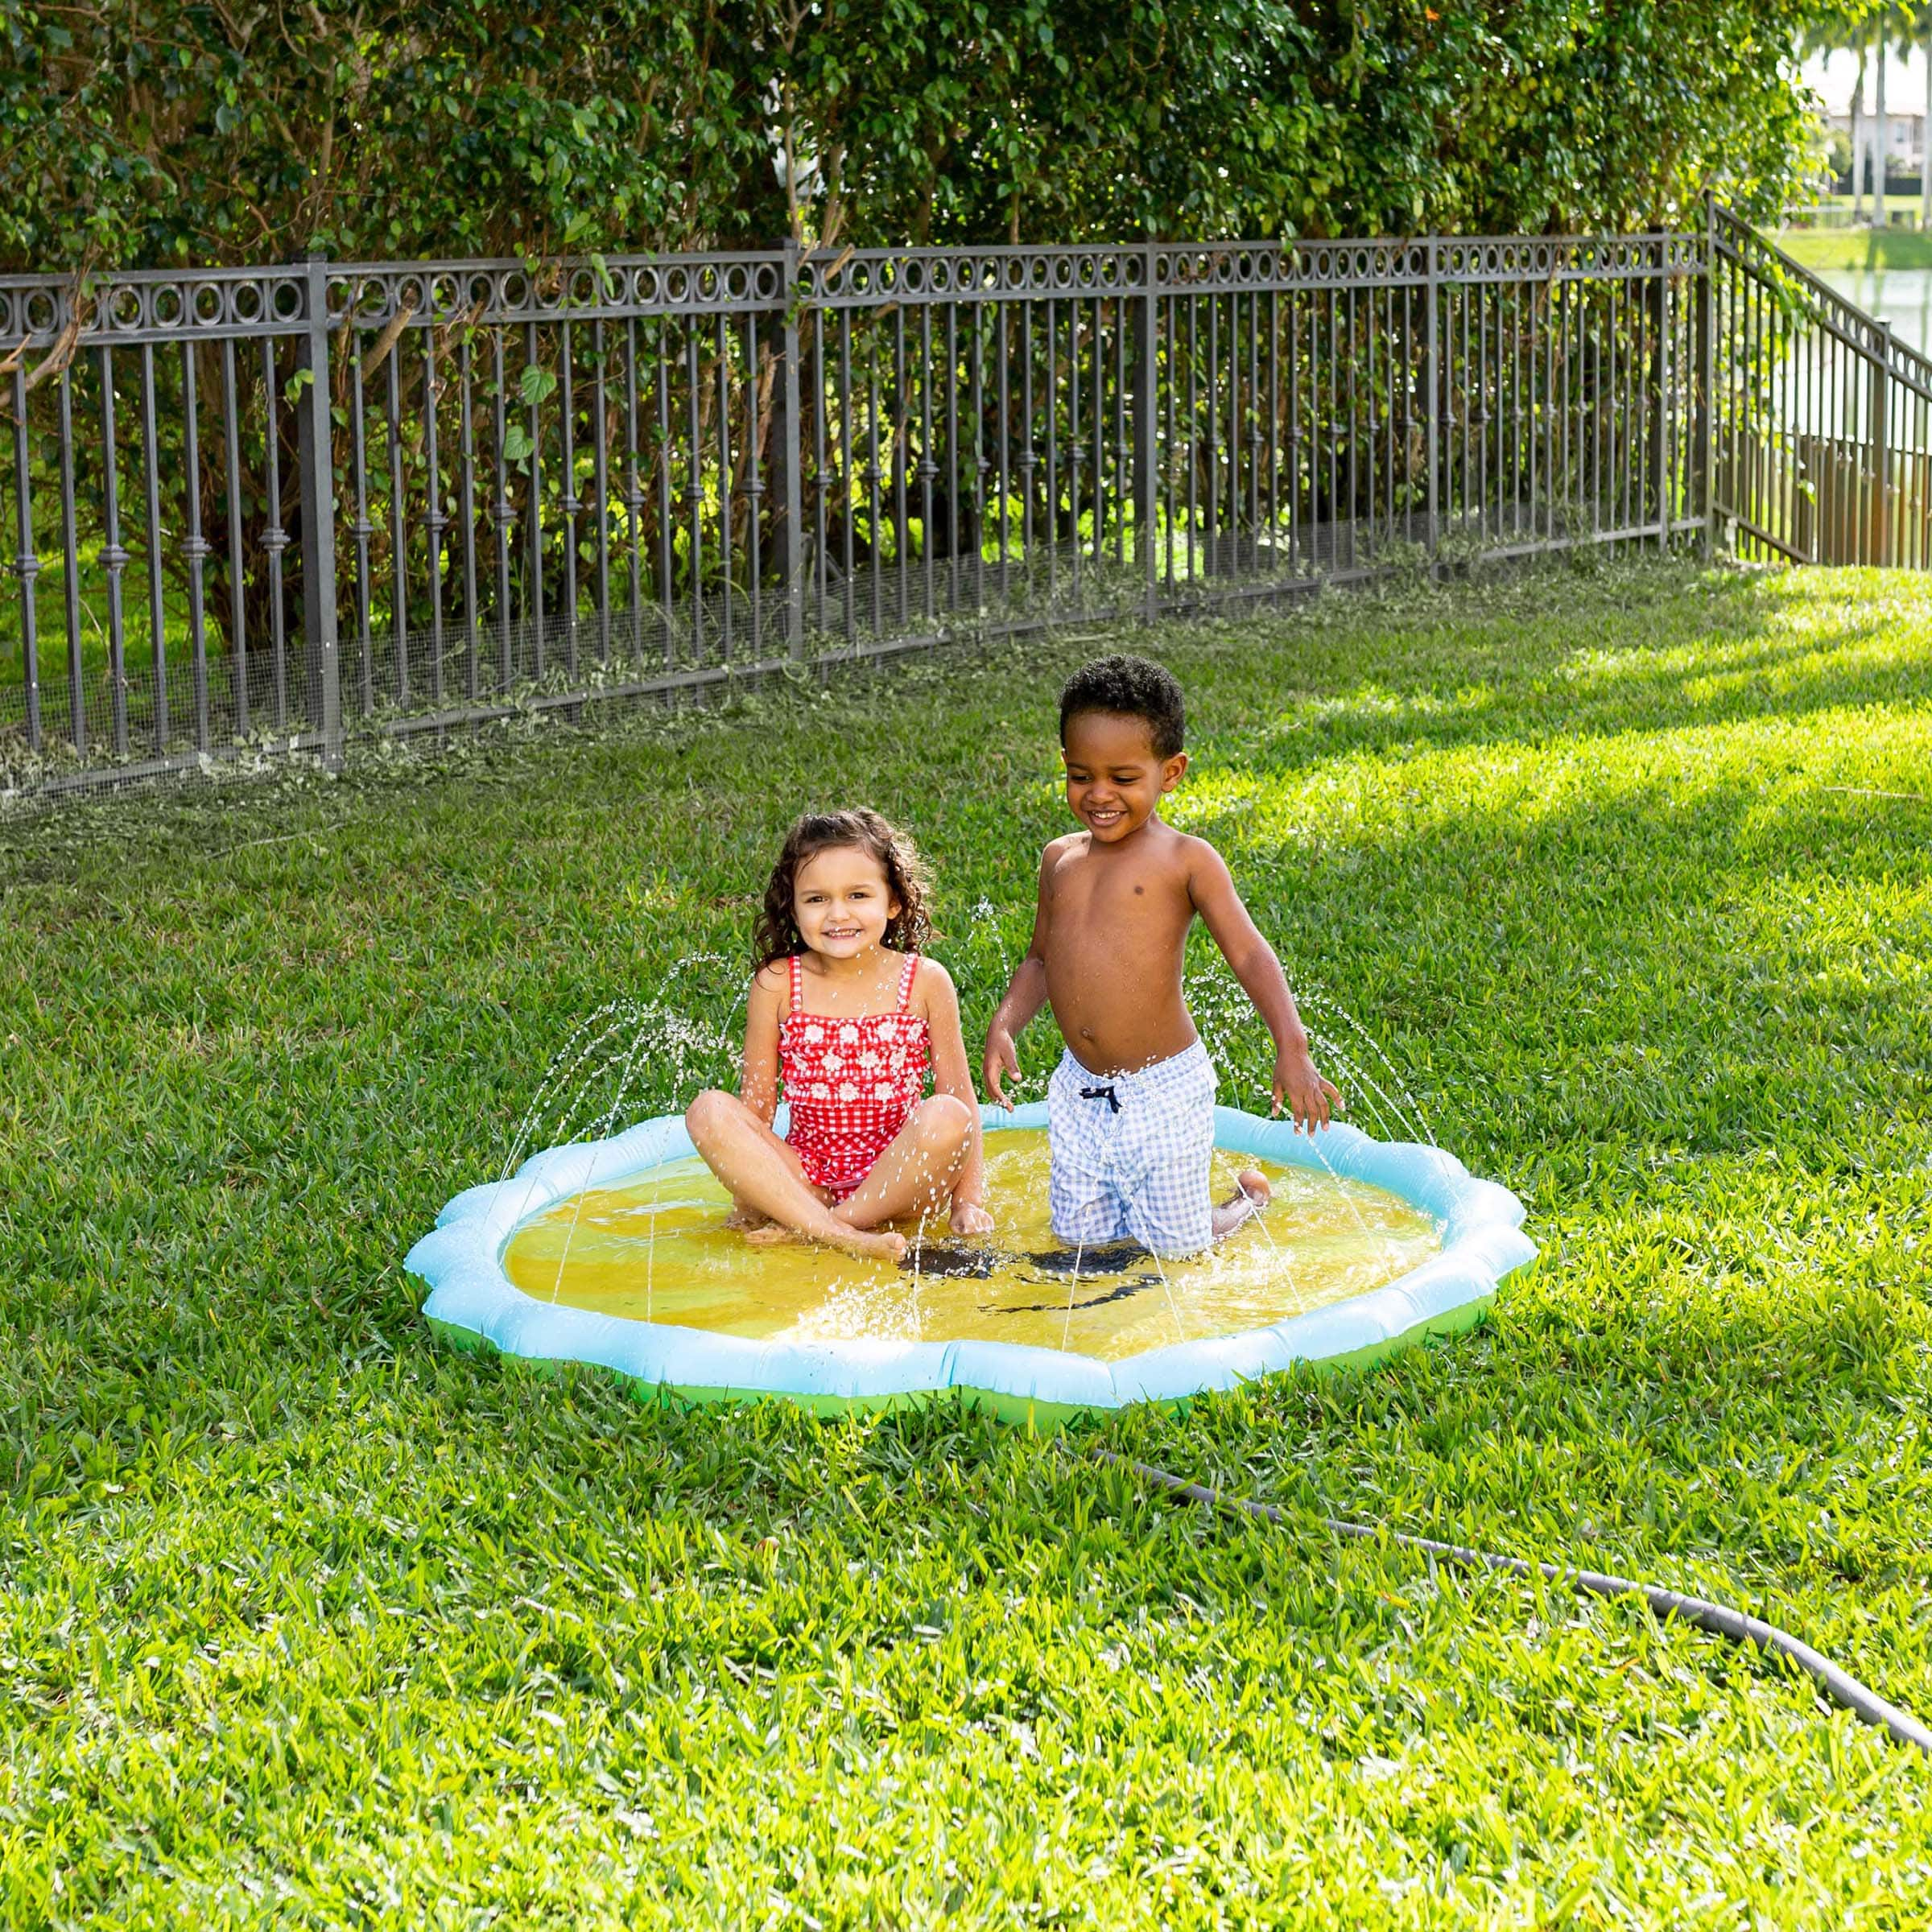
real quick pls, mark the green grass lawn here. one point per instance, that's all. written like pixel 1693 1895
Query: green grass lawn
pixel 1826 249
pixel 308 1620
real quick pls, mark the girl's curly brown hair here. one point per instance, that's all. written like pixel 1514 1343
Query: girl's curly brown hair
pixel 776 936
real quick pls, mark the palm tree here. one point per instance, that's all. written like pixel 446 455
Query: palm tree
pixel 1873 30
pixel 1846 26
pixel 1922 26
pixel 1879 156
pixel 1896 26
pixel 1858 152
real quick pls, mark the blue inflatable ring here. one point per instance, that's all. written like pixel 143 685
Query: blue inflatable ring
pixel 473 1302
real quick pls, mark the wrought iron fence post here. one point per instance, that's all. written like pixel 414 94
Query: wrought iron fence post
pixel 26 560
pixel 315 441
pixel 1705 429
pixel 1146 419
pixel 791 491
pixel 1661 429
pixel 1432 384
pixel 1880 407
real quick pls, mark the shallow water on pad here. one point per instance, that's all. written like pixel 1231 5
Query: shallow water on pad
pixel 1322 1240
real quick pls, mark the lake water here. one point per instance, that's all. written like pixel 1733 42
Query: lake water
pixel 1901 296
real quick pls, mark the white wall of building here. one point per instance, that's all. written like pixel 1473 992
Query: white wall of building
pixel 1834 78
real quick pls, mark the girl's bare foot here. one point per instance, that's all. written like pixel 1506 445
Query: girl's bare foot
pixel 868 1244
pixel 768 1234
pixel 880 1244
pixel 741 1220
pixel 1251 1195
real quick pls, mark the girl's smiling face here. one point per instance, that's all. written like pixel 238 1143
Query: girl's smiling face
pixel 843 902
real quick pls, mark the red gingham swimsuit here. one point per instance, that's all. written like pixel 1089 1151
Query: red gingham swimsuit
pixel 852 1083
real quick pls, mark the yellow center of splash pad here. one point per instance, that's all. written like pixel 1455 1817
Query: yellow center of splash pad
pixel 655 1248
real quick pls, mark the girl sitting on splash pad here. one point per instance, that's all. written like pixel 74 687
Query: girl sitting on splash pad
pixel 845 1010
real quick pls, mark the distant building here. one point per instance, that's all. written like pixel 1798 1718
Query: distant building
pixel 1904 138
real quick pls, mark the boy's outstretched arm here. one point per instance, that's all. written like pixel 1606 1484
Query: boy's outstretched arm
pixel 1026 994
pixel 1253 963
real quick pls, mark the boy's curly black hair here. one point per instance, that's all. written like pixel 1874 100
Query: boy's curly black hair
pixel 776 936
pixel 1129 688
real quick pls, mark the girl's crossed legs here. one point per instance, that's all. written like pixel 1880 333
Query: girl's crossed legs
pixel 913 1176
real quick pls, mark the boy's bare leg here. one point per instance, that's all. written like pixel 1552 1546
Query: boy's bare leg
pixel 916 1172
pixel 1250 1196
pixel 764 1174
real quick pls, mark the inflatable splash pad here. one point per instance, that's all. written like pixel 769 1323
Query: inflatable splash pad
pixel 614 1253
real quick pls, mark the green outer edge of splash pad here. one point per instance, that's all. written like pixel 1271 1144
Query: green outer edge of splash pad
pixel 474 1300
pixel 1023 1412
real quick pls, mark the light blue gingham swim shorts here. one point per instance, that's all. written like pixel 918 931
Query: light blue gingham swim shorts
pixel 1131 1153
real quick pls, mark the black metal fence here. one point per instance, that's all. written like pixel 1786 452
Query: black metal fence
pixel 273 509
pixel 1823 453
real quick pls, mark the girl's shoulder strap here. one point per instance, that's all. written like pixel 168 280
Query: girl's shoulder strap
pixel 906 973
pixel 796 1004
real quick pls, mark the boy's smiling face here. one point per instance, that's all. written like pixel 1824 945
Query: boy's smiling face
pixel 1114 777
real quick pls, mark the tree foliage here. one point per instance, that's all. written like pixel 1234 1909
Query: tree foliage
pixel 147 132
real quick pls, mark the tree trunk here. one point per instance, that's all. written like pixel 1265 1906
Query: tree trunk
pixel 1925 138
pixel 1858 151
pixel 1881 157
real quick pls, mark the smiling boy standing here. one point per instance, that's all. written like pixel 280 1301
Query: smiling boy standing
pixel 1130 1108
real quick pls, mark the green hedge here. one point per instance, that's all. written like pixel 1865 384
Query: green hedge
pixel 147 132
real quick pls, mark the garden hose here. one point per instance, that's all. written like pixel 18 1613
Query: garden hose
pixel 1838 1685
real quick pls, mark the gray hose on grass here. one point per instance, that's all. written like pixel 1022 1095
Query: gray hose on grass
pixel 1840 1686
